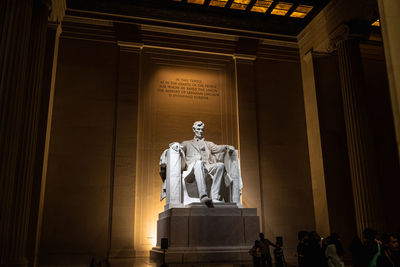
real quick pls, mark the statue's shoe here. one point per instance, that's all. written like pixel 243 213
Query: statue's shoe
pixel 206 200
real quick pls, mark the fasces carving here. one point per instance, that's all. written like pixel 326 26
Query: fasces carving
pixel 200 171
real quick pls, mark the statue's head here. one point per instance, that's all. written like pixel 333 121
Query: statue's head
pixel 198 129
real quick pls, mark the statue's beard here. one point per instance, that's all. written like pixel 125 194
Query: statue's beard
pixel 198 135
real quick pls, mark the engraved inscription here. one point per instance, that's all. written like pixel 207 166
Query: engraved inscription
pixel 188 88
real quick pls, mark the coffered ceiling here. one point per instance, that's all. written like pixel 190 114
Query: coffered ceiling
pixel 280 17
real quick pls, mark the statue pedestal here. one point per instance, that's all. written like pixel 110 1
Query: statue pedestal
pixel 198 234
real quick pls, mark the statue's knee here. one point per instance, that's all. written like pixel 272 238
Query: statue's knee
pixel 198 164
pixel 220 165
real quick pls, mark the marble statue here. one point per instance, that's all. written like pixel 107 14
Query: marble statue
pixel 199 170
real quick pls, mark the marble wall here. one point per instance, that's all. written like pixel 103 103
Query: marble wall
pixel 83 196
pixel 177 89
pixel 117 106
pixel 77 199
pixel 381 117
pixel 287 197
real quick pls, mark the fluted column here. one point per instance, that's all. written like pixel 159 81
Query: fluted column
pixel 43 139
pixel 23 46
pixel 27 149
pixel 14 40
pixel 29 99
pixel 363 166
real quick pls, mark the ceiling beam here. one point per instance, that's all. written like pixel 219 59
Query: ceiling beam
pixel 271 7
pixel 228 5
pixel 293 8
pixel 206 2
pixel 250 5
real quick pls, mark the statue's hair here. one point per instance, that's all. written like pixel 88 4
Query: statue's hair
pixel 198 124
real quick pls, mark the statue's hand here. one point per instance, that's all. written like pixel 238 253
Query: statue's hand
pixel 230 148
pixel 175 146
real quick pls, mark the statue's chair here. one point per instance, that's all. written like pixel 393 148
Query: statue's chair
pixel 180 191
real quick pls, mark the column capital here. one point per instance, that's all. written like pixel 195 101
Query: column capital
pixel 307 57
pixel 355 30
pixel 57 9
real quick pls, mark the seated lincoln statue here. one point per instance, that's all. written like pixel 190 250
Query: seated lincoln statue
pixel 200 171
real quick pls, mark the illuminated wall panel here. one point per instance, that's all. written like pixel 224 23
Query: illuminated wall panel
pixel 176 90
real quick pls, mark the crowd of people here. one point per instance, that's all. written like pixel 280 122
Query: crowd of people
pixel 314 251
pixel 262 255
pixel 376 251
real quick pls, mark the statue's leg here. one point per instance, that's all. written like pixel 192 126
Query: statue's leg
pixel 200 176
pixel 216 172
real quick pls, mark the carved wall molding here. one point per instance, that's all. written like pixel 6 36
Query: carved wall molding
pixel 243 58
pixel 88 29
pixel 88 21
pixel 278 53
pixel 123 34
pixel 130 47
pixel 290 42
pixel 187 32
pixel 318 33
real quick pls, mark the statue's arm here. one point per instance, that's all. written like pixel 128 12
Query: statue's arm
pixel 163 165
pixel 182 150
pixel 183 146
pixel 163 173
pixel 219 148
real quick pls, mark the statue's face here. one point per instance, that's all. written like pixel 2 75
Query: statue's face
pixel 198 131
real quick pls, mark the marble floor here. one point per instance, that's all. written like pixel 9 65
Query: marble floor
pixel 146 262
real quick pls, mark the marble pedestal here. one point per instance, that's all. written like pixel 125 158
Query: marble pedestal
pixel 198 234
